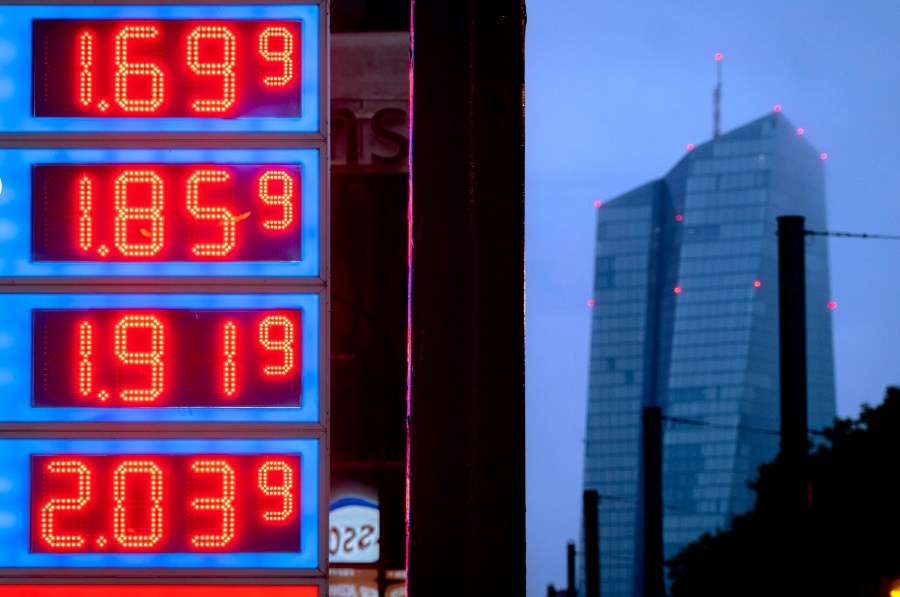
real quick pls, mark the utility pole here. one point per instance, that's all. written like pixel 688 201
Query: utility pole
pixel 794 495
pixel 653 529
pixel 570 569
pixel 590 502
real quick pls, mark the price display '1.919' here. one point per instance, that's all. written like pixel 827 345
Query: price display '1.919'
pixel 166 357
pixel 166 68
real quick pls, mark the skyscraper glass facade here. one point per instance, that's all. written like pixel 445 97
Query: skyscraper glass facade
pixel 686 318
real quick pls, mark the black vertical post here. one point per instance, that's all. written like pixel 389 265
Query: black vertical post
pixel 653 530
pixel 794 493
pixel 590 500
pixel 570 569
pixel 466 471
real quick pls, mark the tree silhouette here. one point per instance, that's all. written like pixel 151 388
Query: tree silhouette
pixel 851 546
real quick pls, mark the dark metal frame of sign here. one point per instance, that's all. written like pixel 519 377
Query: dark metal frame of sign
pixel 302 285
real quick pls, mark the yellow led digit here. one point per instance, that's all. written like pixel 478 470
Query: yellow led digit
pixel 128 69
pixel 224 503
pixel 284 55
pixel 283 489
pixel 48 533
pixel 152 357
pixel 123 530
pixel 153 213
pixel 222 215
pixel 224 69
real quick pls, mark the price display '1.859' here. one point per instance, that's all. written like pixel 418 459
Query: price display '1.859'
pixel 166 212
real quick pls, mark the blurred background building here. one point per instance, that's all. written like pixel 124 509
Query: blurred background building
pixel 369 197
pixel 685 317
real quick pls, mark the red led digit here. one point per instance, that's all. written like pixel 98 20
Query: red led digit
pixel 282 199
pixel 224 503
pixel 283 489
pixel 229 367
pixel 224 69
pixel 124 531
pixel 285 344
pixel 86 60
pixel 85 222
pixel 69 503
pixel 137 69
pixel 284 55
pixel 153 357
pixel 126 213
pixel 85 351
pixel 220 214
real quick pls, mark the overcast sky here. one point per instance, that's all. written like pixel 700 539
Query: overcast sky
pixel 614 93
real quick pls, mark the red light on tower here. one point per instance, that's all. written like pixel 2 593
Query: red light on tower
pixel 598 203
pixel 719 56
pixel 777 108
pixel 757 283
pixel 690 147
pixel 823 156
pixel 800 131
pixel 591 302
pixel 832 305
pixel 677 290
pixel 678 217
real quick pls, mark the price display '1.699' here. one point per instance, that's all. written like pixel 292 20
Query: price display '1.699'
pixel 166 68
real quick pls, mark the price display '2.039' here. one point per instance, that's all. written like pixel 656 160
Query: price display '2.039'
pixel 165 503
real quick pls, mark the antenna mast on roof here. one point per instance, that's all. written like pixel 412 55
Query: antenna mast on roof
pixel 717 96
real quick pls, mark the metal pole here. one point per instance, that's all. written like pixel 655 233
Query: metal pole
pixel 653 533
pixel 591 543
pixel 793 500
pixel 466 465
pixel 570 569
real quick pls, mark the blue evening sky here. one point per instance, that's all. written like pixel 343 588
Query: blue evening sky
pixel 614 92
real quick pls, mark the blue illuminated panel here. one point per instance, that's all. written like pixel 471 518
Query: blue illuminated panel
pixel 16 246
pixel 16 497
pixel 16 348
pixel 16 69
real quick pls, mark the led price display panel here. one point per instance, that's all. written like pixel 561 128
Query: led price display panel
pixel 160 357
pixel 165 503
pixel 173 212
pixel 231 503
pixel 236 68
pixel 185 68
pixel 166 212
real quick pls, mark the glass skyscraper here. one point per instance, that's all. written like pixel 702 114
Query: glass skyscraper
pixel 686 318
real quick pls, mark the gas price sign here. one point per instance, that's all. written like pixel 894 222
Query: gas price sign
pixel 163 299
pixel 184 503
pixel 182 68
